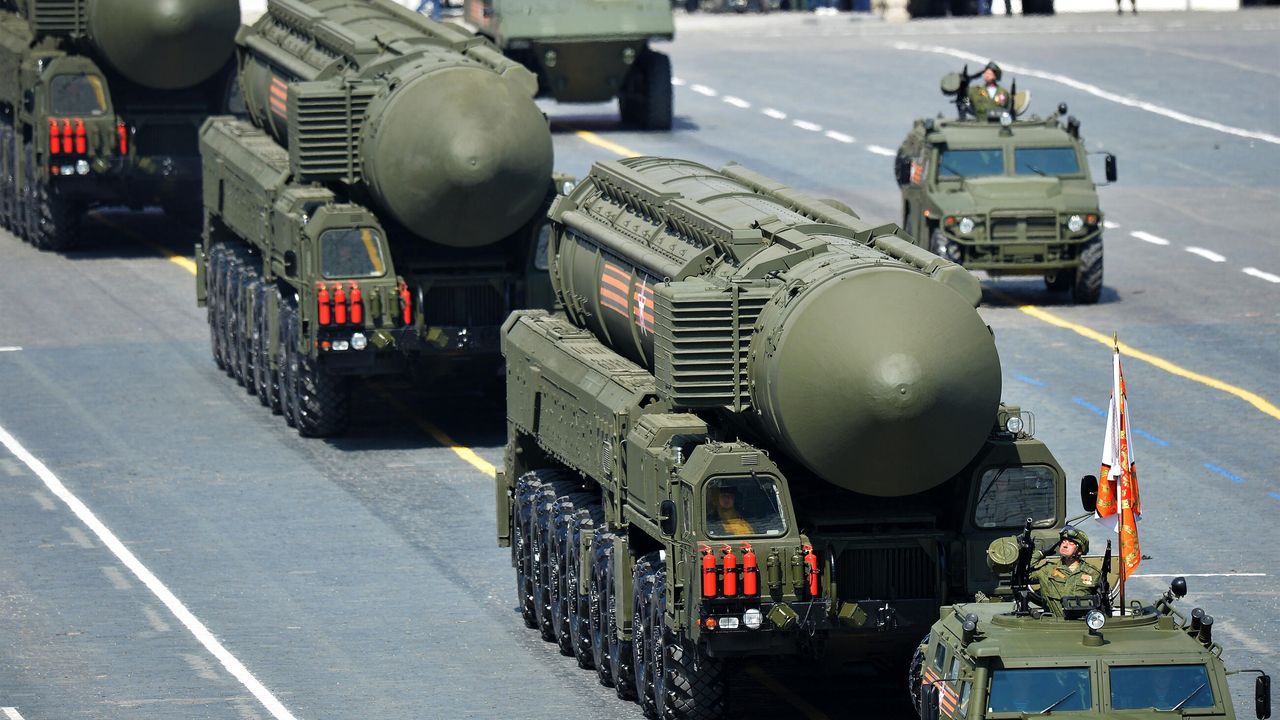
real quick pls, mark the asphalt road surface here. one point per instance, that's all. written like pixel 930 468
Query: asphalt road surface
pixel 170 550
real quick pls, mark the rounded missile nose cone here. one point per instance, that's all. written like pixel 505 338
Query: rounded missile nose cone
pixel 882 381
pixel 165 44
pixel 459 156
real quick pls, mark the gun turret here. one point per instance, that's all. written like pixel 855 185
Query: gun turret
pixel 1020 582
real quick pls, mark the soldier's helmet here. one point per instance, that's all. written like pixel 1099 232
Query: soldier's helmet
pixel 1077 536
pixel 995 69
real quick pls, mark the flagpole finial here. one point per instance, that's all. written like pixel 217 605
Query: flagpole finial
pixel 1115 341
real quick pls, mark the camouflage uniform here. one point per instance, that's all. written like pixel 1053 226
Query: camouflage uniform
pixel 981 102
pixel 1059 578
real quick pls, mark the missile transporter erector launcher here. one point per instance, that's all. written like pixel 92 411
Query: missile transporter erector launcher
pixel 765 427
pixel 100 104
pixel 378 214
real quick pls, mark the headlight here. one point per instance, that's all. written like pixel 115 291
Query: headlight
pixel 752 619
pixel 340 345
pixel 966 225
pixel 1075 223
pixel 82 167
pixel 1095 620
pixel 1006 119
pixel 728 623
pixel 68 170
pixel 1014 426
pixel 567 188
pixel 543 246
pixel 359 341
pixel 549 58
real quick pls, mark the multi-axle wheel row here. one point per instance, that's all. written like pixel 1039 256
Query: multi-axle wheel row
pixel 37 213
pixel 671 677
pixel 268 365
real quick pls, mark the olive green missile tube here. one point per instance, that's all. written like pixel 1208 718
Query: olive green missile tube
pixel 451 143
pixel 855 351
pixel 159 44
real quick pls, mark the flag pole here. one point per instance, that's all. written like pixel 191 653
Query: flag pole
pixel 1115 343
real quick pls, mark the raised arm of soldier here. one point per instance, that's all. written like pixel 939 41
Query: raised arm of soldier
pixel 988 94
pixel 1065 574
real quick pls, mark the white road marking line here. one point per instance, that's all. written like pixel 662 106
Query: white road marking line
pixel 1255 272
pixel 117 578
pixel 78 537
pixel 736 102
pixel 43 501
pixel 153 618
pixel 1148 237
pixel 175 606
pixel 880 150
pixel 10 348
pixel 775 114
pixel 11 713
pixel 677 81
pixel 806 125
pixel 1170 575
pixel 1209 255
pixel 1099 92
pixel 1110 225
pixel 703 90
pixel 839 136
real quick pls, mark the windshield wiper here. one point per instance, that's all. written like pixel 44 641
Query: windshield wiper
pixel 1063 699
pixel 1187 699
pixel 1035 170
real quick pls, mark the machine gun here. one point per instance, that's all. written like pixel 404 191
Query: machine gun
pixel 1020 581
pixel 957 85
pixel 1104 583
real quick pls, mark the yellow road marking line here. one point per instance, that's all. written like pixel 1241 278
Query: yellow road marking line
pixel 467 454
pixel 181 261
pixel 609 145
pixel 780 690
pixel 1253 399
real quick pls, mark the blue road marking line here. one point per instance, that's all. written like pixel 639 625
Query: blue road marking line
pixel 1089 406
pixel 1029 380
pixel 1274 495
pixel 1224 473
pixel 1152 438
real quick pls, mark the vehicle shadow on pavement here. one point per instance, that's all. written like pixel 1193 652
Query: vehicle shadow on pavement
pixel 121 234
pixel 1032 291
pixel 611 122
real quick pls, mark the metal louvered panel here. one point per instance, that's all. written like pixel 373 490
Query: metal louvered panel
pixel 58 17
pixel 892 573
pixel 464 306
pixel 324 130
pixel 701 344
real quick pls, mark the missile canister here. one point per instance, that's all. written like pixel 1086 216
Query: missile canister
pixel 846 344
pixel 106 97
pixel 403 172
pixel 442 132
pixel 762 427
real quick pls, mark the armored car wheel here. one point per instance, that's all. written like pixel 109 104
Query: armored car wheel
pixel 289 364
pixel 564 568
pixel 227 315
pixel 527 486
pixel 644 634
pixel 246 356
pixel 545 556
pixel 599 603
pixel 54 219
pixel 915 672
pixel 213 301
pixel 688 684
pixel 587 520
pixel 646 99
pixel 324 399
pixel 1088 281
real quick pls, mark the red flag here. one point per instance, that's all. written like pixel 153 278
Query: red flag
pixel 1119 505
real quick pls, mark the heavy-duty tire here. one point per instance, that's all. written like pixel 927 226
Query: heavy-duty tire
pixel 554 486
pixel 598 594
pixel 263 380
pixel 53 222
pixel 915 672
pixel 324 400
pixel 213 302
pixel 688 684
pixel 289 364
pixel 527 486
pixel 227 298
pixel 624 679
pixel 564 569
pixel 246 360
pixel 646 100
pixel 8 177
pixel 1088 285
pixel 585 523
pixel 645 635
pixel 937 243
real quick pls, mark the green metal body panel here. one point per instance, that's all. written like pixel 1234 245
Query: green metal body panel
pixel 1020 220
pixel 720 325
pixel 134 79
pixel 581 50
pixel 1154 635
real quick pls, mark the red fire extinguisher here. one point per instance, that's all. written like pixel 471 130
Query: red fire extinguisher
pixel 750 572
pixel 708 573
pixel 811 570
pixel 322 302
pixel 730 571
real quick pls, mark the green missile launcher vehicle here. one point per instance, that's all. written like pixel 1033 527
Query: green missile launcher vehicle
pixel 379 212
pixel 588 51
pixel 764 427
pixel 1010 658
pixel 100 104
pixel 1006 194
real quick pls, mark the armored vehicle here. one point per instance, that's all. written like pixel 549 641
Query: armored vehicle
pixel 588 51
pixel 379 213
pixel 763 427
pixel 100 103
pixel 1010 659
pixel 1008 194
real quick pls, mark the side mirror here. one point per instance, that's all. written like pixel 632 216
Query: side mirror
pixel 291 263
pixel 1262 696
pixel 1089 492
pixel 667 520
pixel 902 166
pixel 1062 108
pixel 929 702
pixel 1111 168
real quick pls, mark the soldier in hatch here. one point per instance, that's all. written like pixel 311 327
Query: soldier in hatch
pixel 989 94
pixel 1067 573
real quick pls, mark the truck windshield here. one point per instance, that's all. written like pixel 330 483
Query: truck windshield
pixel 1163 687
pixel 77 95
pixel 1045 161
pixel 351 253
pixel 744 506
pixel 1008 496
pixel 970 163
pixel 1035 690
